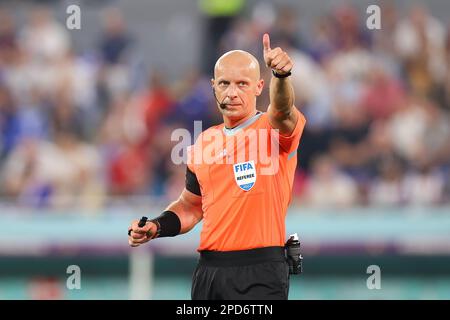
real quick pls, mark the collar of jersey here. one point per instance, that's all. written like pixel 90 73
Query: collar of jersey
pixel 233 131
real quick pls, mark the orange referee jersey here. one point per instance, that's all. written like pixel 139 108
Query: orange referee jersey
pixel 245 194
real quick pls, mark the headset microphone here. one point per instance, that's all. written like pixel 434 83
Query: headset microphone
pixel 221 104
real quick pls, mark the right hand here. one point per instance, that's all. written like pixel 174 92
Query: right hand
pixel 142 235
pixel 276 59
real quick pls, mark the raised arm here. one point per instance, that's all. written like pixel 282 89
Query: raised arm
pixel 280 111
pixel 187 210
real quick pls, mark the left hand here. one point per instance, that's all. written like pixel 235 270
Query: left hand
pixel 138 235
pixel 276 59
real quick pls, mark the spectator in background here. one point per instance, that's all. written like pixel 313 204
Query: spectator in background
pixel 382 96
pixel 156 102
pixel 424 186
pixel 387 189
pixel 194 98
pixel 18 121
pixel 241 34
pixel 441 92
pixel 408 127
pixel 75 172
pixel 44 174
pixel 312 90
pixel 44 39
pixel 218 16
pixel 322 46
pixel 115 41
pixel 8 40
pixel 286 27
pixel 164 171
pixel 115 45
pixel 375 150
pixel 65 116
pixel 123 143
pixel 26 171
pixel 436 139
pixel 42 58
pixel 128 171
pixel 347 70
pixel 328 187
pixel 34 117
pixel 383 44
pixel 9 123
pixel 348 32
pixel 17 75
pixel 420 42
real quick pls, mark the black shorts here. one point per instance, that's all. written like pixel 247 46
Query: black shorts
pixel 256 274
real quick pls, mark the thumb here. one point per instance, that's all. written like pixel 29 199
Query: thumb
pixel 266 43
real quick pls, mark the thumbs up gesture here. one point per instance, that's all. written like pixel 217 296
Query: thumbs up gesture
pixel 276 59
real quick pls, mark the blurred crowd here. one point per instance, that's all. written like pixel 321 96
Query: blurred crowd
pixel 88 129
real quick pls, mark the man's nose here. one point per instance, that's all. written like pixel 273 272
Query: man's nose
pixel 232 91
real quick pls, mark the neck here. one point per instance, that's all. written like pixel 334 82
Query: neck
pixel 232 123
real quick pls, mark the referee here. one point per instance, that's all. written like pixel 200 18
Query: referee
pixel 243 210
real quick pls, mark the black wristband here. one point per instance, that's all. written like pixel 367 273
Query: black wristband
pixel 281 76
pixel 168 225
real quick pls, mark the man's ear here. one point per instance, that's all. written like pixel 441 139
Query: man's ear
pixel 212 83
pixel 259 87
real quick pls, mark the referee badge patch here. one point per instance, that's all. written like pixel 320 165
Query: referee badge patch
pixel 245 174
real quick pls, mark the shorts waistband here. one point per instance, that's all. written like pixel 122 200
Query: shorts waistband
pixel 241 257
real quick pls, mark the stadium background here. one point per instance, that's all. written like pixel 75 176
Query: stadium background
pixel 86 117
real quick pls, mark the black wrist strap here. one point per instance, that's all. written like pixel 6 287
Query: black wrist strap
pixel 168 225
pixel 281 76
pixel 158 228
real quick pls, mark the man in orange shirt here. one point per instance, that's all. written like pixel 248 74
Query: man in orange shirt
pixel 238 181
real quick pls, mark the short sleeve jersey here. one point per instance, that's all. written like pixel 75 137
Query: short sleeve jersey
pixel 245 178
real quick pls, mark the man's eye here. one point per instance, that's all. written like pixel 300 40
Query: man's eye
pixel 223 83
pixel 242 83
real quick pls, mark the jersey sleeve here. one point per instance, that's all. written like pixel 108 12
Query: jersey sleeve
pixel 192 184
pixel 290 143
pixel 190 158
